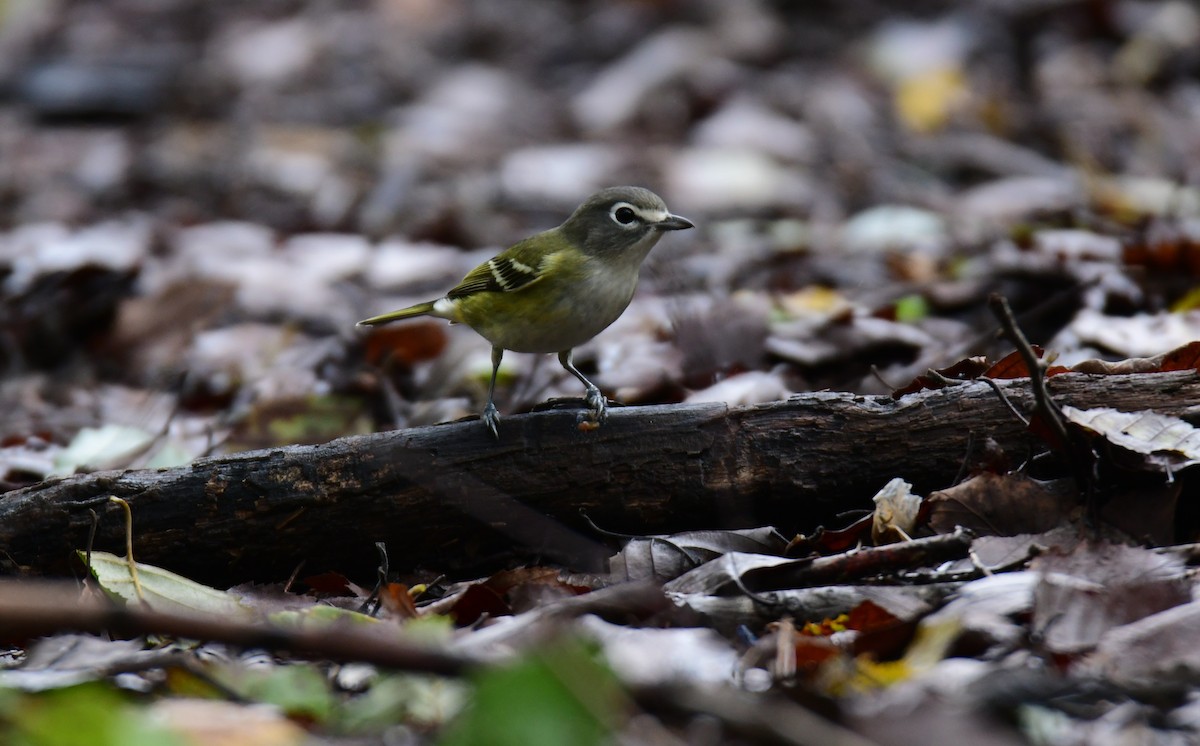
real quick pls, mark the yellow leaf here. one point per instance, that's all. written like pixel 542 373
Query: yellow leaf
pixel 925 101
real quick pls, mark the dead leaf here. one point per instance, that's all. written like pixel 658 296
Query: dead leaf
pixel 68 660
pixel 161 589
pixel 1186 357
pixel 397 600
pixel 1139 335
pixel 1002 505
pixel 1153 651
pixel 147 335
pixel 1083 594
pixel 1167 443
pixel 987 610
pixel 896 511
pixel 881 634
pixel 329 584
pixel 503 594
pixel 1182 358
pixel 476 601
pixel 669 556
pixel 967 369
pixel 405 344
pixel 831 541
pixel 723 574
pixel 1013 366
pixel 1144 512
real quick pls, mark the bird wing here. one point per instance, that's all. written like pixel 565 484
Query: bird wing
pixel 517 267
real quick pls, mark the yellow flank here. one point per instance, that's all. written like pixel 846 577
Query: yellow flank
pixel 547 315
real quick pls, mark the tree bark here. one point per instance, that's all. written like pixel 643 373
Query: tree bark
pixel 451 498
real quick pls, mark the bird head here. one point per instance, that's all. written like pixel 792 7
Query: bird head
pixel 621 220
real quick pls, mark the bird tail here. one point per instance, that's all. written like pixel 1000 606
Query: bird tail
pixel 421 309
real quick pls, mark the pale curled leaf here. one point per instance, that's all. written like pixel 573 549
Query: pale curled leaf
pixel 162 590
pixel 1147 433
pixel 896 509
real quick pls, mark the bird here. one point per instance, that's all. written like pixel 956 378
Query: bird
pixel 557 289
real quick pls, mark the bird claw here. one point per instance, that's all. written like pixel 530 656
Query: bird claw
pixel 491 418
pixel 597 404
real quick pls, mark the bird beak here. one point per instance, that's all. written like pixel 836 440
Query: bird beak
pixel 674 223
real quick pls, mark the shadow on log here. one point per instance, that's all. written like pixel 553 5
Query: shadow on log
pixel 452 498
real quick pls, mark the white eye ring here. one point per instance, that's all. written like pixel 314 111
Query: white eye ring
pixel 625 215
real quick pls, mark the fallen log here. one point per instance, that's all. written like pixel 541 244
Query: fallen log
pixel 452 498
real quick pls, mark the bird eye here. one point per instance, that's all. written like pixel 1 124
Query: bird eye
pixel 625 215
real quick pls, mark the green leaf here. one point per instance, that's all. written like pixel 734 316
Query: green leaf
pixel 91 713
pixel 403 699
pixel 315 419
pixel 162 590
pixel 911 309
pixel 557 695
pixel 301 691
pixel 319 615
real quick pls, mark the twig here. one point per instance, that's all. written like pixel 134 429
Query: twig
pixel 1037 371
pixel 287 587
pixel 31 609
pixel 91 540
pixel 1044 404
pixel 861 563
pixel 878 376
pixel 381 573
pixel 1004 398
pixel 966 461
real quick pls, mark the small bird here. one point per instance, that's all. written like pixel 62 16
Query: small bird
pixel 556 290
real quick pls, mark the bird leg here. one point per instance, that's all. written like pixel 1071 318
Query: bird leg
pixel 595 398
pixel 491 415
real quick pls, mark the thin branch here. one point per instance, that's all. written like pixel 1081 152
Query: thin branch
pixel 1045 405
pixel 31 609
pixel 1037 370
pixel 1004 398
pixel 863 563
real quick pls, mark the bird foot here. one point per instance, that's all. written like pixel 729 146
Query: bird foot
pixel 491 418
pixel 598 406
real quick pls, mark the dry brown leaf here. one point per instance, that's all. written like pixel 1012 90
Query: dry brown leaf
pixel 1153 651
pixel 405 344
pixel 1002 505
pixel 1096 587
pixel 967 369
pixel 665 557
pixel 1013 366
pixel 1186 357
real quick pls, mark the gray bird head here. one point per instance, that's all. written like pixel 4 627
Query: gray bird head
pixel 620 219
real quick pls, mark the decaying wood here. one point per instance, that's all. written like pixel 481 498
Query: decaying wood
pixel 451 497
